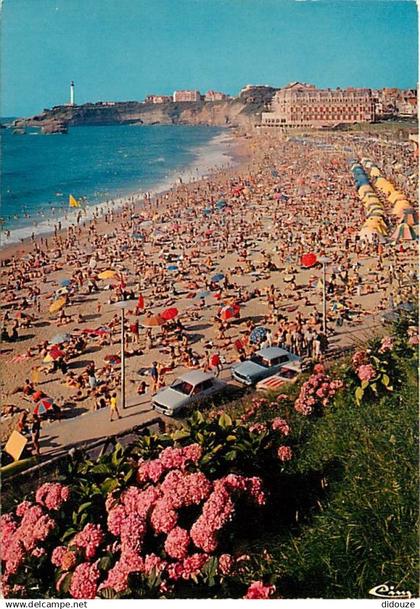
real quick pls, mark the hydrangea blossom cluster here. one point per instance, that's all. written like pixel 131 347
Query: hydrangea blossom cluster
pixel 152 509
pixel 387 344
pixel 280 425
pixel 317 391
pixel 366 372
pixel 257 590
pixel 19 539
pixel 90 538
pixel 52 495
pixel 84 581
pixel 256 405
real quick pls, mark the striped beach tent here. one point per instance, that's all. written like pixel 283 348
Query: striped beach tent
pixel 404 232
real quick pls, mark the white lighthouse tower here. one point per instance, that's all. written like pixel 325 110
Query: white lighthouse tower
pixel 72 93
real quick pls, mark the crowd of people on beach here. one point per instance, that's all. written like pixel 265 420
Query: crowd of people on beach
pixel 226 254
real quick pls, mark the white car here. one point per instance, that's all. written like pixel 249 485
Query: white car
pixel 287 374
pixel 262 364
pixel 187 391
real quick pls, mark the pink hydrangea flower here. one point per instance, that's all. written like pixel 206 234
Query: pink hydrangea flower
pixel 90 538
pixel 163 518
pixel 387 344
pixel 22 508
pixel 177 542
pixel 284 453
pixel 84 581
pixel 225 564
pixel 366 372
pixel 359 358
pixel 52 495
pixel 257 590
pixel 280 425
pixel 57 555
pixel 152 562
pixel 117 577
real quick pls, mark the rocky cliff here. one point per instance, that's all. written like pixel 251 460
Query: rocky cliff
pixel 239 112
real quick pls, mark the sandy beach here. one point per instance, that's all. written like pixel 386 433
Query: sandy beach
pixel 249 224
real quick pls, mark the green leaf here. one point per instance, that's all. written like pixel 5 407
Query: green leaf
pixel 109 485
pixel 69 533
pixel 108 593
pixel 101 468
pixel 359 394
pixel 65 584
pixel 180 434
pixel 129 474
pixel 84 506
pixel 365 384
pixel 385 380
pixel 105 563
pixel 231 438
pixel 225 421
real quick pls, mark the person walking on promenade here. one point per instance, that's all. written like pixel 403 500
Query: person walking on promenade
pixel 35 433
pixel 113 406
pixel 154 375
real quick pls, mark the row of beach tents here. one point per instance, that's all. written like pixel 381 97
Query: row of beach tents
pixel 375 225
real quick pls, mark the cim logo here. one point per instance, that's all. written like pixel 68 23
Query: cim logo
pixel 389 592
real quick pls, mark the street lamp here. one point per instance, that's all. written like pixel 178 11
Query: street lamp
pixel 122 305
pixel 324 261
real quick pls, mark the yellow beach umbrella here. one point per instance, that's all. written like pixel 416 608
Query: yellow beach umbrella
pixel 107 274
pixel 384 185
pixel 375 172
pixel 400 206
pixel 370 198
pixel 57 305
pixel 364 189
pixel 396 196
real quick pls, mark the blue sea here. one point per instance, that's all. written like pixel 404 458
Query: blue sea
pixel 98 163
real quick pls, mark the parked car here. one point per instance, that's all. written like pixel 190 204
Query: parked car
pixel 287 374
pixel 187 391
pixel 263 363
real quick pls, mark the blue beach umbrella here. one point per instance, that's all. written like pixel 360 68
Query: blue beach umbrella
pixel 203 294
pixel 137 236
pixel 65 282
pixel 172 267
pixel 207 211
pixel 218 277
pixel 221 204
pixel 258 335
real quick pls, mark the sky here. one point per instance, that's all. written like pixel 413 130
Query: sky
pixel 127 49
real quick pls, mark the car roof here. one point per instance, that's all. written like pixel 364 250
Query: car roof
pixel 195 377
pixel 271 352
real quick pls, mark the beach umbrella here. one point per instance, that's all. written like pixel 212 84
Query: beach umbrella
pixel 107 274
pixel 308 260
pixel 169 314
pixel 227 312
pixel 137 235
pixel 113 359
pixel 410 216
pixel 375 172
pixel 65 283
pixel 221 204
pixel 153 321
pixel 202 294
pixel 218 277
pixel 365 189
pixel 57 305
pixel 43 406
pixel 60 338
pixel 396 196
pixel 257 335
pixel 400 206
pixel 172 267
pixel 404 232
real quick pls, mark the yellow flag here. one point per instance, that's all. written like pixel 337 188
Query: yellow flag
pixel 73 202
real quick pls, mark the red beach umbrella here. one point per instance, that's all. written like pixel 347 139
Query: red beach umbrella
pixel 308 260
pixel 140 302
pixel 169 314
pixel 43 406
pixel 227 312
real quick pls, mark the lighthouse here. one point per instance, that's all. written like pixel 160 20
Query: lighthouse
pixel 72 93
